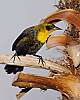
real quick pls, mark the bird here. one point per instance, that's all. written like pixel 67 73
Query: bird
pixel 29 42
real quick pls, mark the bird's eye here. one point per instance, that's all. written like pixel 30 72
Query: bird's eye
pixel 48 28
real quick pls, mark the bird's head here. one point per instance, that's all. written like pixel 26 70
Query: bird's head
pixel 45 30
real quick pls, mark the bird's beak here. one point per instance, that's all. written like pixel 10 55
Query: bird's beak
pixel 57 28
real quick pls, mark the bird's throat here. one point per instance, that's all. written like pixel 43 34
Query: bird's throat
pixel 42 36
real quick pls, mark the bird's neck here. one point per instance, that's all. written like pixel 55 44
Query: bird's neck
pixel 42 36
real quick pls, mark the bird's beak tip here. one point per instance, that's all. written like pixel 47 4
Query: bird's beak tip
pixel 58 28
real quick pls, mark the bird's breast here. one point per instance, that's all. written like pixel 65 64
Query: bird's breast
pixel 42 36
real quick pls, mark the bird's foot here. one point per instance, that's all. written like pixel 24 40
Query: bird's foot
pixel 13 57
pixel 40 60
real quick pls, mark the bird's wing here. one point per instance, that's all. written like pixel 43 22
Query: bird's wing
pixel 17 40
pixel 27 33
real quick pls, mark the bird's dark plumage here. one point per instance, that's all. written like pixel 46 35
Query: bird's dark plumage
pixel 13 69
pixel 27 42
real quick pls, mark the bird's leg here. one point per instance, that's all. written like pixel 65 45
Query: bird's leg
pixel 14 57
pixel 40 59
pixel 18 57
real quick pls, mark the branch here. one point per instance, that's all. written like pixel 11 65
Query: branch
pixel 28 85
pixel 68 85
pixel 33 62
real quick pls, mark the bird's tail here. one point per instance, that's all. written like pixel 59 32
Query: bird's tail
pixel 13 69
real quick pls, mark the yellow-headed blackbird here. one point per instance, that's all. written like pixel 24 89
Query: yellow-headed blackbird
pixel 29 42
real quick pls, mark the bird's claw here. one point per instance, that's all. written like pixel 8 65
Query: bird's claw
pixel 13 57
pixel 41 60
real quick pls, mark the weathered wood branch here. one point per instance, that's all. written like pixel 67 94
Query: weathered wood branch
pixel 27 85
pixel 31 61
pixel 68 85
